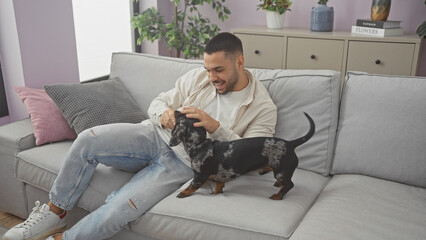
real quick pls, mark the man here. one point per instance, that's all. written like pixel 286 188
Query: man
pixel 228 102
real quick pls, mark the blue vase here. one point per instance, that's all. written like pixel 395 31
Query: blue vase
pixel 322 18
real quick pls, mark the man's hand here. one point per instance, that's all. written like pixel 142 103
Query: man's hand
pixel 209 123
pixel 168 119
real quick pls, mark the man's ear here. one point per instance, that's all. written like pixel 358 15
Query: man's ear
pixel 240 61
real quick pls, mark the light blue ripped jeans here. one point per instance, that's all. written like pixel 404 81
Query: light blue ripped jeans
pixel 130 147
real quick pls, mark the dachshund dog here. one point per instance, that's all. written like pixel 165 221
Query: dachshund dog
pixel 222 161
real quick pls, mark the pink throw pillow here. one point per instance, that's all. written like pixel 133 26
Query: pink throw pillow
pixel 48 121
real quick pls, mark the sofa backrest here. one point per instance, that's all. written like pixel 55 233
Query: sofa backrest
pixel 315 92
pixel 145 76
pixel 293 91
pixel 382 128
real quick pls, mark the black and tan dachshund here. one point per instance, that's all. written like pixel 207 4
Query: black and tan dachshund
pixel 223 161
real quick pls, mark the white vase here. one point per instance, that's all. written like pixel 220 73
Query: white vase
pixel 274 20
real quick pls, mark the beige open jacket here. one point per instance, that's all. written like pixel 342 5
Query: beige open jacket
pixel 256 117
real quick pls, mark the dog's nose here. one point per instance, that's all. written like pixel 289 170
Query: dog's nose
pixel 173 142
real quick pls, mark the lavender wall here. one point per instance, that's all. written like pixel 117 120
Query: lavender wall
pixel 47 42
pixel 411 12
pixel 37 47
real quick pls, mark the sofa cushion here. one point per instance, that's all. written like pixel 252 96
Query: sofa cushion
pixel 315 92
pixel 382 128
pixel 145 76
pixel 230 215
pixel 362 207
pixel 39 167
pixel 48 121
pixel 97 103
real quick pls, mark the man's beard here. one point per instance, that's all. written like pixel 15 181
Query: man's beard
pixel 231 83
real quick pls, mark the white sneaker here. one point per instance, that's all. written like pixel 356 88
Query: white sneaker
pixel 51 237
pixel 40 224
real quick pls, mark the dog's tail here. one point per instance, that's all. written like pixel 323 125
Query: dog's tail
pixel 302 140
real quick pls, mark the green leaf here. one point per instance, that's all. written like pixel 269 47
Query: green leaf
pixel 189 34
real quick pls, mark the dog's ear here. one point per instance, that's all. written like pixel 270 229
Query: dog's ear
pixel 178 114
pixel 176 132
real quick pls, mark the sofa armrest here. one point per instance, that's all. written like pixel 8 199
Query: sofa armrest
pixel 14 138
pixel 17 136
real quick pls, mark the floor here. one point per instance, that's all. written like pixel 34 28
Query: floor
pixel 7 221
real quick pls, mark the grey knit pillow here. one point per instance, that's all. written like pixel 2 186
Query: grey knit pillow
pixel 92 104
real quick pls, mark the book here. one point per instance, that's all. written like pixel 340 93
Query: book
pixel 378 24
pixel 377 32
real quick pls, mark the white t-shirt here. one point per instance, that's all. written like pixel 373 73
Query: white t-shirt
pixel 224 107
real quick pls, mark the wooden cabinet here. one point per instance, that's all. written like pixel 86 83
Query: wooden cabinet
pixel 293 48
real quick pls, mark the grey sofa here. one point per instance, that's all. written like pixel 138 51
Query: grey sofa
pixel 361 176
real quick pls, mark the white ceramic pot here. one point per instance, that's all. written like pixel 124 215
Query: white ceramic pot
pixel 274 20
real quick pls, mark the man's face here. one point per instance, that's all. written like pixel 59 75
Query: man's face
pixel 222 71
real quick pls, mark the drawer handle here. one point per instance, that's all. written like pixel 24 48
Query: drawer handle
pixel 378 62
pixel 256 52
pixel 313 56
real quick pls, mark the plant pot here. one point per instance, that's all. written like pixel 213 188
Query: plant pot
pixel 274 20
pixel 322 18
pixel 380 10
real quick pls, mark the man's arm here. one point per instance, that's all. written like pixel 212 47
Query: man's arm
pixel 171 100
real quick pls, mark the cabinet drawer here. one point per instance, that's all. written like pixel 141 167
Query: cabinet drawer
pixel 380 58
pixel 262 51
pixel 309 53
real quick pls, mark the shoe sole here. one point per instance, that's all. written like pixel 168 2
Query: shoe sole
pixel 45 234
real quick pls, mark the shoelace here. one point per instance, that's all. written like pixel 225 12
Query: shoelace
pixel 36 216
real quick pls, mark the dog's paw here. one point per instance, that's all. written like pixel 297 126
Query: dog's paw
pixel 216 192
pixel 276 196
pixel 182 195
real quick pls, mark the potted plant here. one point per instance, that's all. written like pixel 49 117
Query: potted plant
pixel 421 30
pixel 186 33
pixel 322 17
pixel 275 10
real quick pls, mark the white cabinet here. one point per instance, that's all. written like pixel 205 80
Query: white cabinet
pixel 310 53
pixel 294 48
pixel 381 57
pixel 261 50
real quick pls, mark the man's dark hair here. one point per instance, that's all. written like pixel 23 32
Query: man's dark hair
pixel 227 42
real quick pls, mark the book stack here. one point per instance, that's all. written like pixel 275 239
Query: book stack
pixel 372 28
